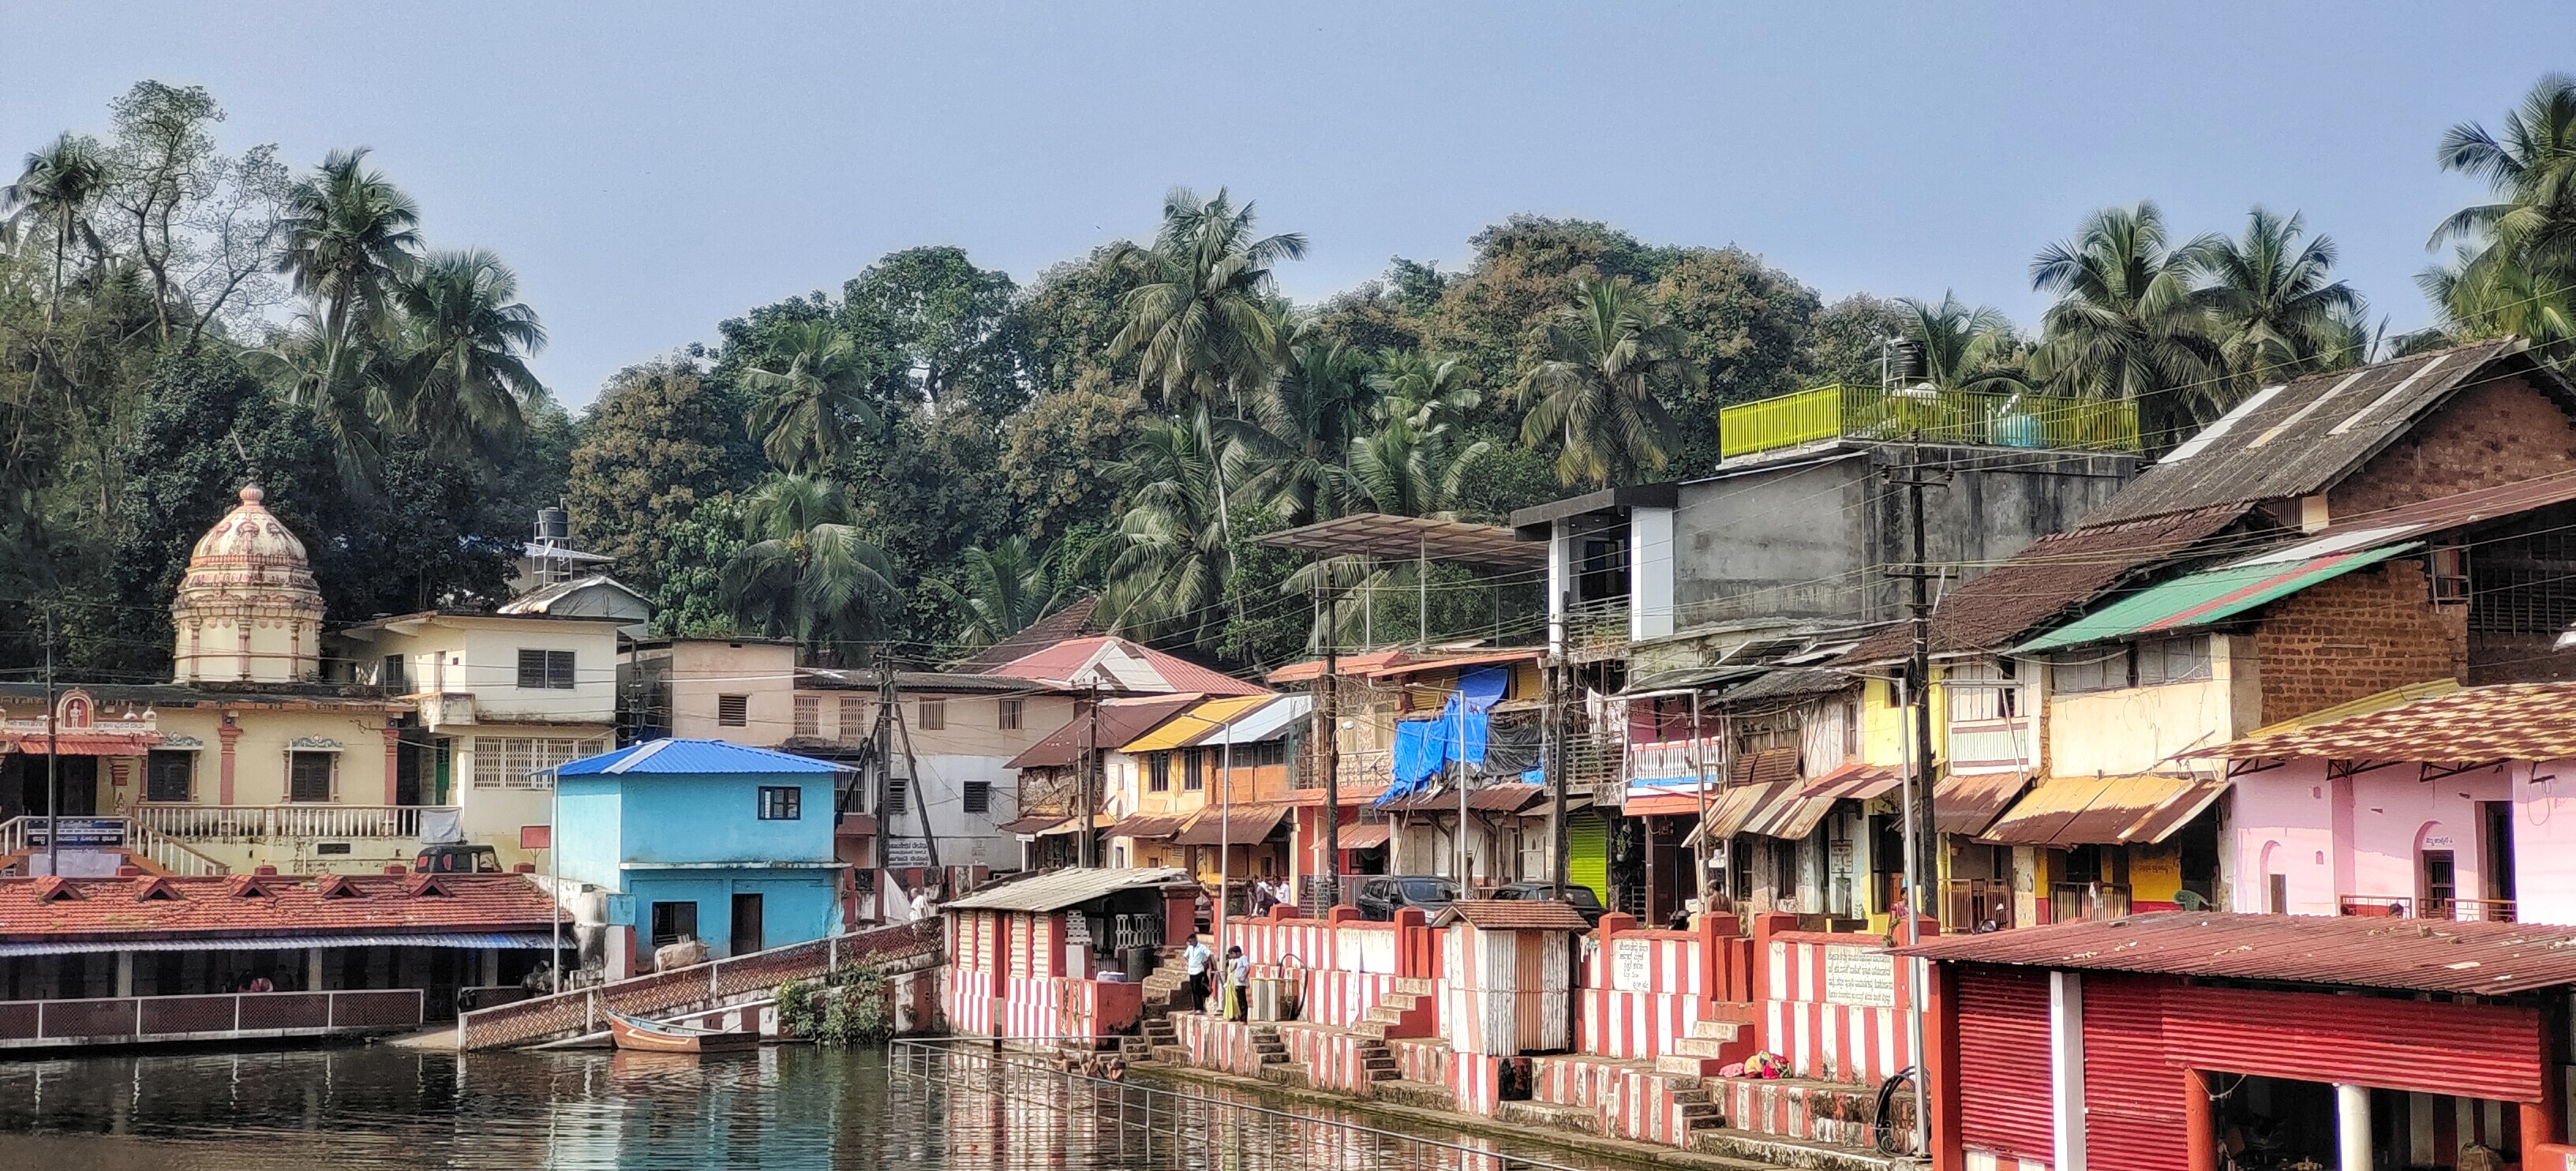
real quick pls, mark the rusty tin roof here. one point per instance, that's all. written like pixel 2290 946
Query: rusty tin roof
pixel 2481 959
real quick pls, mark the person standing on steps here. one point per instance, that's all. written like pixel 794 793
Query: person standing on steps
pixel 1238 981
pixel 1194 972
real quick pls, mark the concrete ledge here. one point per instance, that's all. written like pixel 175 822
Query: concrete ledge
pixel 1780 1152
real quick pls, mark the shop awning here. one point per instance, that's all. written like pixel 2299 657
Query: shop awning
pixel 2104 811
pixel 1074 825
pixel 1684 803
pixel 1507 797
pixel 2201 598
pixel 1790 815
pixel 1733 809
pixel 83 743
pixel 1365 837
pixel 1246 825
pixel 1146 825
pixel 1350 795
pixel 1037 824
pixel 1968 804
pixel 1855 781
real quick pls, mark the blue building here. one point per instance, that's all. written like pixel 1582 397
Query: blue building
pixel 702 839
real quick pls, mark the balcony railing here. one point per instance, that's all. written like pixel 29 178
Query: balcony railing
pixel 30 834
pixel 224 1016
pixel 1971 905
pixel 2401 907
pixel 1596 628
pixel 1979 418
pixel 316 820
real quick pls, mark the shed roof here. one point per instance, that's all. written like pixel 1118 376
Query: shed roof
pixel 1967 804
pixel 1242 825
pixel 2506 721
pixel 672 757
pixel 2212 595
pixel 1120 720
pixel 1383 534
pixel 1055 890
pixel 2303 437
pixel 1072 621
pixel 2061 812
pixel 2485 959
pixel 1513 915
pixel 1206 721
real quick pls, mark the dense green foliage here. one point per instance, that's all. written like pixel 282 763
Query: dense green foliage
pixel 852 1006
pixel 936 455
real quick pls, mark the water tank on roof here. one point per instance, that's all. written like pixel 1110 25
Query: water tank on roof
pixel 1906 362
pixel 554 524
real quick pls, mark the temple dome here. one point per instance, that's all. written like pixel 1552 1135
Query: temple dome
pixel 248 609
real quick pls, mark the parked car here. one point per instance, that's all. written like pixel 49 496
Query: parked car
pixel 1382 895
pixel 456 859
pixel 1585 902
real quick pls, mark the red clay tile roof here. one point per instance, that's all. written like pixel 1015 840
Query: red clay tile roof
pixel 1514 915
pixel 2054 574
pixel 109 908
pixel 1058 664
pixel 2506 721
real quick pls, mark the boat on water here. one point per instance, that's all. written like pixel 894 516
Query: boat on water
pixel 643 1036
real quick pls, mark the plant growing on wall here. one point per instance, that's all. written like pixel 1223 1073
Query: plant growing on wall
pixel 853 1006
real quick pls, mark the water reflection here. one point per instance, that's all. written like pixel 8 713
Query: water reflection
pixel 783 1107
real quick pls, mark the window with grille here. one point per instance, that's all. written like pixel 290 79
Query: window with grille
pixel 854 719
pixel 897 795
pixel 1193 770
pixel 170 775
pixel 934 714
pixel 1158 773
pixel 2094 669
pixel 308 775
pixel 809 715
pixel 979 796
pixel 545 670
pixel 781 803
pixel 2523 585
pixel 391 678
pixel 2174 660
pixel 733 711
pixel 518 762
pixel 1010 715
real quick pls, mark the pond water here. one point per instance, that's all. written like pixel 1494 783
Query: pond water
pixel 783 1107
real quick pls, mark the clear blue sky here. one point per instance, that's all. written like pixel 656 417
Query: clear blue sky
pixel 650 169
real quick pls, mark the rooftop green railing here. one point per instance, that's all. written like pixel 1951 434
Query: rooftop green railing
pixel 1978 418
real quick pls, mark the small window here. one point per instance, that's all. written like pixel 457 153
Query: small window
pixel 392 675
pixel 308 775
pixel 2174 660
pixel 330 847
pixel 1158 773
pixel 897 795
pixel 781 803
pixel 809 715
pixel 733 711
pixel 1010 715
pixel 1193 770
pixel 545 670
pixel 854 719
pixel 2447 569
pixel 934 715
pixel 673 922
pixel 2104 668
pixel 170 775
pixel 979 796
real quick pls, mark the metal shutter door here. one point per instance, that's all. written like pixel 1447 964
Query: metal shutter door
pixel 2003 1061
pixel 1587 853
pixel 2472 1050
pixel 2133 1088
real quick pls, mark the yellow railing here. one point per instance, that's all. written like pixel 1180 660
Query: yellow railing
pixel 1978 418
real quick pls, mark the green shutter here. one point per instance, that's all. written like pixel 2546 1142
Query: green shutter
pixel 1587 852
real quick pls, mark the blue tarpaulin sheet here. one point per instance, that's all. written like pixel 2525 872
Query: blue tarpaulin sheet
pixel 1424 748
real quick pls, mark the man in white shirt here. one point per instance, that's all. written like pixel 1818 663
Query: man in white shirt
pixel 1194 965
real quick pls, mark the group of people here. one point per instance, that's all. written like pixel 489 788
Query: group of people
pixel 1195 962
pixel 1268 893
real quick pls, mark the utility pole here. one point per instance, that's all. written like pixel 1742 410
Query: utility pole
pixel 885 756
pixel 53 758
pixel 1919 670
pixel 1552 765
pixel 1083 844
pixel 1328 725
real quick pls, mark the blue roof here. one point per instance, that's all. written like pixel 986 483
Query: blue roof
pixel 695 757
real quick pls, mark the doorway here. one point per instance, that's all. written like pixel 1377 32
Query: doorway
pixel 78 777
pixel 746 925
pixel 2437 884
pixel 2495 857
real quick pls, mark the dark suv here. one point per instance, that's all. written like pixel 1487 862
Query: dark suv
pixel 456 859
pixel 1382 895
pixel 1585 903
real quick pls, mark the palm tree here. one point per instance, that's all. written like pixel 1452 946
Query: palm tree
pixel 1199 317
pixel 1965 348
pixel 812 402
pixel 463 372
pixel 54 193
pixel 1410 469
pixel 807 573
pixel 351 235
pixel 2272 303
pixel 2125 324
pixel 1613 359
pixel 1301 426
pixel 2522 246
pixel 1169 560
pixel 1007 589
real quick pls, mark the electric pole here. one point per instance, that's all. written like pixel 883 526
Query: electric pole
pixel 1328 723
pixel 53 758
pixel 1083 842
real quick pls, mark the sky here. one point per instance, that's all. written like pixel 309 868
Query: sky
pixel 650 169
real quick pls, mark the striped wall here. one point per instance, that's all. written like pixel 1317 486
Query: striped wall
pixel 1477 1079
pixel 1421 1061
pixel 1826 1030
pixel 1641 1022
pixel 1506 990
pixel 1034 1001
pixel 1628 1101
pixel 1800 1110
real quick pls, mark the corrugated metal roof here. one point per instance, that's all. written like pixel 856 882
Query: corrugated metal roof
pixel 1123 665
pixel 1393 535
pixel 1732 809
pixel 1968 804
pixel 1241 826
pixel 1278 717
pixel 1856 781
pixel 1789 815
pixel 1792 682
pixel 2507 721
pixel 1037 824
pixel 1147 825
pixel 1209 719
pixel 1070 622
pixel 1365 836
pixel 1349 794
pixel 671 757
pixel 1502 797
pixel 1054 890
pixel 1513 915
pixel 2104 811
pixel 2481 959
pixel 2208 596
pixel 2307 436
pixel 1120 720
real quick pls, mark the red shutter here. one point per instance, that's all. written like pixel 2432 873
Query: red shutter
pixel 2003 1061
pixel 2470 1050
pixel 2133 1087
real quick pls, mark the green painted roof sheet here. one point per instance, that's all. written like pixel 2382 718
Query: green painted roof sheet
pixel 2208 596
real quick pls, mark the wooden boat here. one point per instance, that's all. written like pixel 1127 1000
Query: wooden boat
pixel 643 1036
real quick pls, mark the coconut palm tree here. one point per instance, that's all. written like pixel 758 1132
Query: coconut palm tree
pixel 807 574
pixel 1007 589
pixel 1170 559
pixel 811 401
pixel 1301 426
pixel 462 372
pixel 1427 390
pixel 2126 324
pixel 1612 360
pixel 1410 469
pixel 53 196
pixel 1199 318
pixel 2272 303
pixel 351 236
pixel 2523 245
pixel 1964 347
